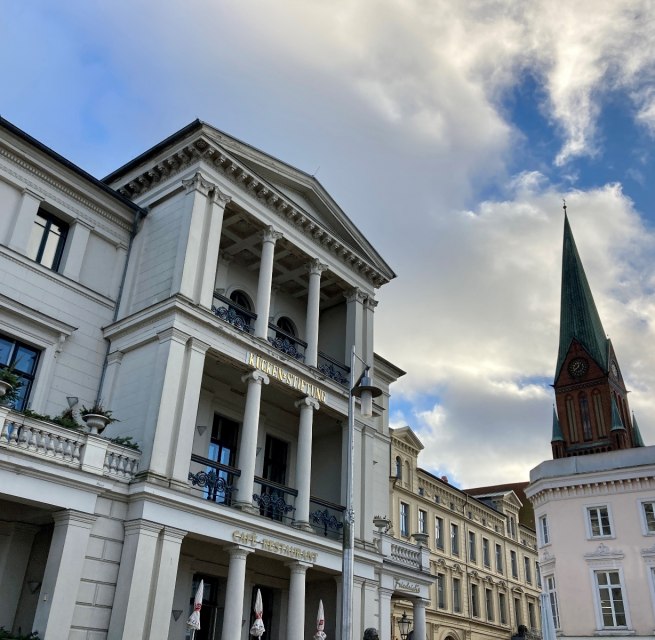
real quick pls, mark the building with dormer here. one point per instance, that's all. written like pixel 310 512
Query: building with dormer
pixel 594 503
pixel 210 295
pixel 482 554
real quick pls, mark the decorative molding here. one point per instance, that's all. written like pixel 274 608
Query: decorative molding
pixel 198 183
pixel 316 267
pixel 271 235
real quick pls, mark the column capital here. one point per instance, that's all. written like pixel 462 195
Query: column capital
pixel 256 376
pixel 307 402
pixel 226 257
pixel 220 198
pixel 271 235
pixel 115 357
pixel 386 593
pixel 199 345
pixel 198 183
pixel 298 566
pixel 239 552
pixel 171 533
pixel 316 267
pixel 32 194
pixel 75 518
pixel 140 525
pixel 371 303
pixel 355 295
pixel 173 334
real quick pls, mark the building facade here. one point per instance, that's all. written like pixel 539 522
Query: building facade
pixel 210 295
pixel 483 558
pixel 594 503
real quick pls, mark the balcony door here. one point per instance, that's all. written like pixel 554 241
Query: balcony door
pixel 223 449
pixel 274 499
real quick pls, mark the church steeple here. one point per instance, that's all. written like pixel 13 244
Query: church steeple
pixel 590 394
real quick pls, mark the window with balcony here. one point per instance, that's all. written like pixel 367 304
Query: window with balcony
pixel 486 553
pixel 23 360
pixel 422 521
pixel 457 595
pixel 598 522
pixel 499 558
pixel 438 532
pixel 441 591
pixel 472 547
pixel 454 539
pixel 47 240
pixel 610 599
pixel 222 451
pixel 275 496
pixel 514 563
pixel 648 517
pixel 404 519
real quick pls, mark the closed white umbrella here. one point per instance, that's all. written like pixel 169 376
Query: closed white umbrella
pixel 320 623
pixel 257 629
pixel 194 619
pixel 547 621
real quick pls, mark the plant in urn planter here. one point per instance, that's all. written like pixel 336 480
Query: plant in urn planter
pixel 10 383
pixel 96 418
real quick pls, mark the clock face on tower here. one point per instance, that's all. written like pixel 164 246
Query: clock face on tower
pixel 578 367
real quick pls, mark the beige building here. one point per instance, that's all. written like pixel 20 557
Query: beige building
pixel 483 560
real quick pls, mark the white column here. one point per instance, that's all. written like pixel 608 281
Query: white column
pixel 191 261
pixel 234 593
pixel 337 618
pixel 15 548
pixel 165 570
pixel 369 309
pixel 354 323
pixel 213 226
pixel 18 234
pixel 263 305
pixel 188 411
pixel 307 407
pixel 248 449
pixel 385 632
pixel 76 243
pixel 132 599
pixel 357 620
pixel 296 608
pixel 419 619
pixel 315 268
pixel 63 571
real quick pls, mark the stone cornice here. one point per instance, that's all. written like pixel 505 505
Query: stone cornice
pixel 254 186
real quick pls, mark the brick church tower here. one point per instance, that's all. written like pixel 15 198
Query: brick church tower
pixel 592 413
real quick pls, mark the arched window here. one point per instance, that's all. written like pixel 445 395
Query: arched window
pixel 406 478
pixel 598 413
pixel 572 419
pixel 287 325
pixel 241 298
pixel 584 414
pixel 399 467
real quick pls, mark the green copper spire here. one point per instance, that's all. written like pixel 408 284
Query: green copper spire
pixel 579 317
pixel 636 434
pixel 557 430
pixel 617 423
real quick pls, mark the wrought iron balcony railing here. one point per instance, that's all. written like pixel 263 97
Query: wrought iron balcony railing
pixel 274 500
pixel 326 517
pixel 216 480
pixel 236 315
pixel 285 342
pixel 333 369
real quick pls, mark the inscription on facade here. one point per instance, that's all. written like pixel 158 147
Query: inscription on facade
pixel 408 586
pixel 274 546
pixel 280 373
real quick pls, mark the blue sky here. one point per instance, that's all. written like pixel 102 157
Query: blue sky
pixel 448 131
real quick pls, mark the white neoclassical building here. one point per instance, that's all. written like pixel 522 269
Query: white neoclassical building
pixel 209 295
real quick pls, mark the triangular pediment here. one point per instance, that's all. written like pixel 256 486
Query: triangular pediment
pixel 407 436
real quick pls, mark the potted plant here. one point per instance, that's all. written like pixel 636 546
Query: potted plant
pixel 10 383
pixel 96 417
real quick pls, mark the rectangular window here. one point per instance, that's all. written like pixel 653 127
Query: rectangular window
pixel 532 619
pixel 438 532
pixel 537 572
pixel 552 595
pixel 454 539
pixel 404 519
pixel 441 591
pixel 515 564
pixel 222 449
pixel 472 551
pixel 648 511
pixel 489 603
pixel 610 597
pixel 23 360
pixel 475 601
pixel 543 528
pixel 518 617
pixel 486 554
pixel 599 522
pixel 422 521
pixel 499 559
pixel 528 569
pixel 457 595
pixel 502 608
pixel 47 240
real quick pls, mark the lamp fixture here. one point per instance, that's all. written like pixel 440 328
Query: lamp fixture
pixel 404 624
pixel 366 391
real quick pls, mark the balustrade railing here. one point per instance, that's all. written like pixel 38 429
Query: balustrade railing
pixel 69 447
pixel 275 500
pixel 236 315
pixel 333 369
pixel 286 343
pixel 215 480
pixel 410 556
pixel 326 517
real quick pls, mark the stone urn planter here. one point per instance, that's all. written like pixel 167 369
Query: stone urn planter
pixel 96 422
pixel 5 388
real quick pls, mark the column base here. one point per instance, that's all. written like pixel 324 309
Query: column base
pixel 303 526
pixel 246 507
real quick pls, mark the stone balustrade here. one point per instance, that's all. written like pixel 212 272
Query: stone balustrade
pixel 68 447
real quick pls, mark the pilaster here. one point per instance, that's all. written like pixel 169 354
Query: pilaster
pixel 76 244
pixel 18 236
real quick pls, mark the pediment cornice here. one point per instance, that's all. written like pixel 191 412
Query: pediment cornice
pixel 207 150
